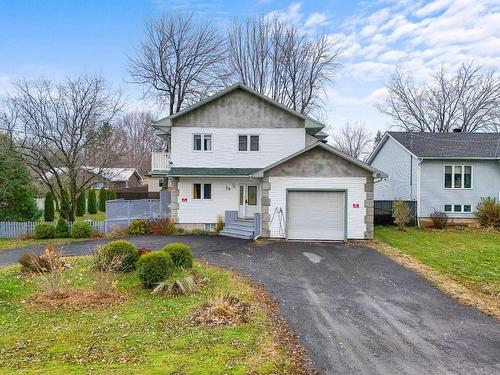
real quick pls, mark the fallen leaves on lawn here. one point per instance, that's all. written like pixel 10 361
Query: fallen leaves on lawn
pixel 222 310
pixel 75 299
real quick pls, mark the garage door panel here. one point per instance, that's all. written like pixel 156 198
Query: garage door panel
pixel 316 215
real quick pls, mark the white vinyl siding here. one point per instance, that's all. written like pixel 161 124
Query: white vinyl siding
pixel 355 186
pixel 434 196
pixel 401 166
pixel 316 215
pixel 274 144
pixel 224 196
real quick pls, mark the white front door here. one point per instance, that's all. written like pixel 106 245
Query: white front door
pixel 248 201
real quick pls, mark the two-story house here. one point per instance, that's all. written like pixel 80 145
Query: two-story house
pixel 264 168
pixel 447 172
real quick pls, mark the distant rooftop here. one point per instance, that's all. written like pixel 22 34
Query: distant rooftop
pixel 450 145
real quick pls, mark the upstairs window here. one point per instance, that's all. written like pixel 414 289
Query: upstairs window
pixel 458 176
pixel 202 142
pixel 248 143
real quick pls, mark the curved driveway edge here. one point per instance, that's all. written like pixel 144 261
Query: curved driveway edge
pixel 354 309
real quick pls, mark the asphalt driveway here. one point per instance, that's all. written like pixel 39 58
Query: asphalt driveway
pixel 355 310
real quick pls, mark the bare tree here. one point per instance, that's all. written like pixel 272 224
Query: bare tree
pixel 277 60
pixel 62 128
pixel 137 138
pixel 468 100
pixel 179 62
pixel 354 140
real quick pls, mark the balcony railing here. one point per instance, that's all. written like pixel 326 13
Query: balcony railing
pixel 160 161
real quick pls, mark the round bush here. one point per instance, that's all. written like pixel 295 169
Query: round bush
pixel 138 227
pixel 155 267
pixel 81 229
pixel 181 254
pixel 126 252
pixel 44 231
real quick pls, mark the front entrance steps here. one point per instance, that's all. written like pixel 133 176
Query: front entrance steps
pixel 239 228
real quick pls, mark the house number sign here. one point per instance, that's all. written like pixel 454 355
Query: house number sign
pixel 184 200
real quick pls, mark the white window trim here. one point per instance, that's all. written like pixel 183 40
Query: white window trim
pixel 461 208
pixel 248 142
pixel 453 176
pixel 203 142
pixel 202 191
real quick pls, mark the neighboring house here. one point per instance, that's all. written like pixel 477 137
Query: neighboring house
pixel 446 172
pixel 264 168
pixel 114 178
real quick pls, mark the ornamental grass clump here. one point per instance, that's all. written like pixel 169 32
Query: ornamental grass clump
pixel 401 213
pixel 488 212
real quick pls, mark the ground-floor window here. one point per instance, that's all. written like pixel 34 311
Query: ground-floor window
pixel 202 191
pixel 457 208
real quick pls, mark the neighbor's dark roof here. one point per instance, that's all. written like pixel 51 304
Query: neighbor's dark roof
pixel 450 145
pixel 181 171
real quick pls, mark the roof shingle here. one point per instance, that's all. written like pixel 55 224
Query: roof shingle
pixel 450 145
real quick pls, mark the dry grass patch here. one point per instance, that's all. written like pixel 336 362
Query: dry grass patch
pixel 222 310
pixel 76 299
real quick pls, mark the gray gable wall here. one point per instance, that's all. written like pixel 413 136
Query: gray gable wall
pixel 317 162
pixel 239 109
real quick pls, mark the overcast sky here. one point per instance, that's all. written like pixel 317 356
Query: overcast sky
pixel 55 39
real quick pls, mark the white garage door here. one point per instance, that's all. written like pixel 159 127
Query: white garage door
pixel 316 215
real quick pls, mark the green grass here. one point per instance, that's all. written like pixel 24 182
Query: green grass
pixel 148 334
pixel 468 256
pixel 11 243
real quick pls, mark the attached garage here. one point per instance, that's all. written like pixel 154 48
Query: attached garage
pixel 316 215
pixel 319 193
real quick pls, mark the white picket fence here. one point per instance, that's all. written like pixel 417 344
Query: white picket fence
pixel 14 229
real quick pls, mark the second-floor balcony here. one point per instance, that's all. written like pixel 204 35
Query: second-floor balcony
pixel 160 161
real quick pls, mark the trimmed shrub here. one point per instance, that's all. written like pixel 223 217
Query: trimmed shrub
pixel 80 204
pixel 62 229
pixel 81 229
pixel 154 268
pixel 182 256
pixel 48 207
pixel 91 202
pixel 200 232
pixel 488 212
pixel 103 197
pixel 44 231
pixel 122 252
pixel 143 250
pixel 158 226
pixel 138 227
pixel 111 195
pixel 439 219
pixel 401 213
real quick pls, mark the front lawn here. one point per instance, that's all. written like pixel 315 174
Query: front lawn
pixel 143 333
pixel 468 256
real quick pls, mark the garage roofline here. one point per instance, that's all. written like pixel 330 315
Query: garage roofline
pixel 375 172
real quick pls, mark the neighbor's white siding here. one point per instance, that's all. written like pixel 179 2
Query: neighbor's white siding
pixel 433 195
pixel 355 194
pixel 275 144
pixel 225 197
pixel 401 166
